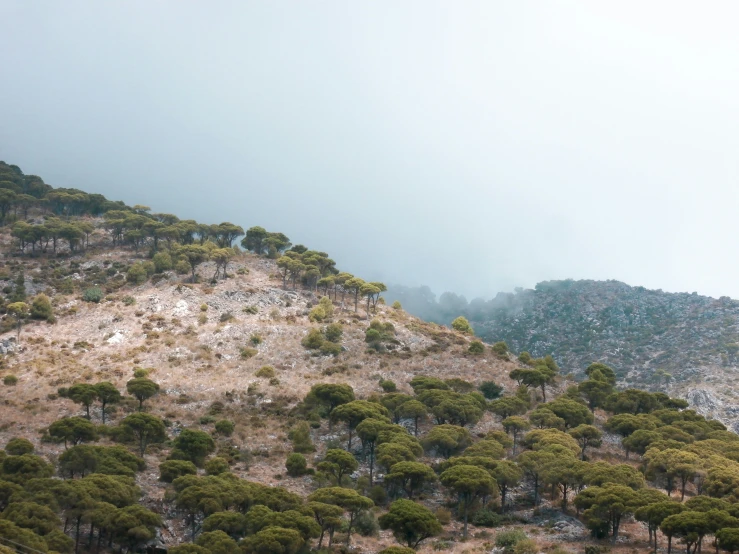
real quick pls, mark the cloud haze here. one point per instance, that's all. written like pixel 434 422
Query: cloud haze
pixel 470 146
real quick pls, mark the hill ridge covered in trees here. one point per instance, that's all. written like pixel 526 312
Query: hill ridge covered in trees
pixel 165 389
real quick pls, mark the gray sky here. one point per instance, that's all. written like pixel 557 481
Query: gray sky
pixel 470 146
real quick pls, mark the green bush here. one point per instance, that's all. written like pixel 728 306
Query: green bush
pixel 500 348
pixel 508 539
pixel 313 340
pixel 490 390
pixel 18 446
pixel 93 294
pixel 182 267
pixel 296 465
pixel 266 372
pixel 41 308
pixel 255 340
pixel 225 427
pixel 388 386
pixel 162 261
pixel 486 518
pixel 10 380
pixel 366 524
pixel 476 347
pixel 169 470
pixel 329 348
pixel 136 274
pixel 462 325
pixel 216 466
pixel 247 353
pixel 129 300
pixel 333 332
pixel 397 305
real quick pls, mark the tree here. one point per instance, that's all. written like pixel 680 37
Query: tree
pixel 410 476
pixel 415 410
pixel 108 394
pixel 72 430
pixel 331 395
pixel 447 439
pixel 144 429
pixel 354 287
pixel 84 394
pixel 356 411
pixel 348 499
pixel 29 515
pixel 468 482
pixel 672 464
pixel 193 445
pixel 255 240
pixel 338 463
pixel 573 413
pixel 654 514
pixel 296 465
pixel 20 312
pixel 462 325
pixel 410 523
pixel 368 432
pixel 194 254
pixel 217 542
pixel 274 540
pixel 728 539
pixel 586 436
pixel 142 389
pixel 691 526
pixel 169 470
pixel 508 406
pixel 508 476
pixel 606 506
pixel 328 517
pixel 514 426
pixel 221 257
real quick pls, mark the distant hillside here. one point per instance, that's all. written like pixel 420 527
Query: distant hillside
pixel 635 330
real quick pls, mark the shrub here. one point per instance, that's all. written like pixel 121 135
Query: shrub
pixel 267 372
pixel 500 348
pixel 462 325
pixel 508 539
pixel 333 332
pixel 216 466
pixel 162 261
pixel 366 524
pixel 378 495
pixel 397 305
pixel 129 300
pixel 18 446
pixel 486 518
pixel 476 347
pixel 274 381
pixel 169 470
pixel 225 427
pixel 255 340
pixel 251 310
pixel 490 390
pixel 313 340
pixel 317 314
pixel 41 308
pixel 388 386
pixel 202 319
pixel 329 348
pixel 10 380
pixel 444 515
pixel 93 294
pixel 526 546
pixel 182 267
pixel 247 353
pixel 300 437
pixel 296 465
pixel 226 316
pixel 136 274
pixel 140 373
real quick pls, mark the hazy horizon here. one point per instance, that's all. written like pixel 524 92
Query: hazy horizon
pixel 470 147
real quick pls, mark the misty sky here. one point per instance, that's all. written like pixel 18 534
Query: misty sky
pixel 470 146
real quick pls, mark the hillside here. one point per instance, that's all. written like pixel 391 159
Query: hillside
pixel 164 390
pixel 685 344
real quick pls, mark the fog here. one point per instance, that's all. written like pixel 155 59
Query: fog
pixel 468 146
